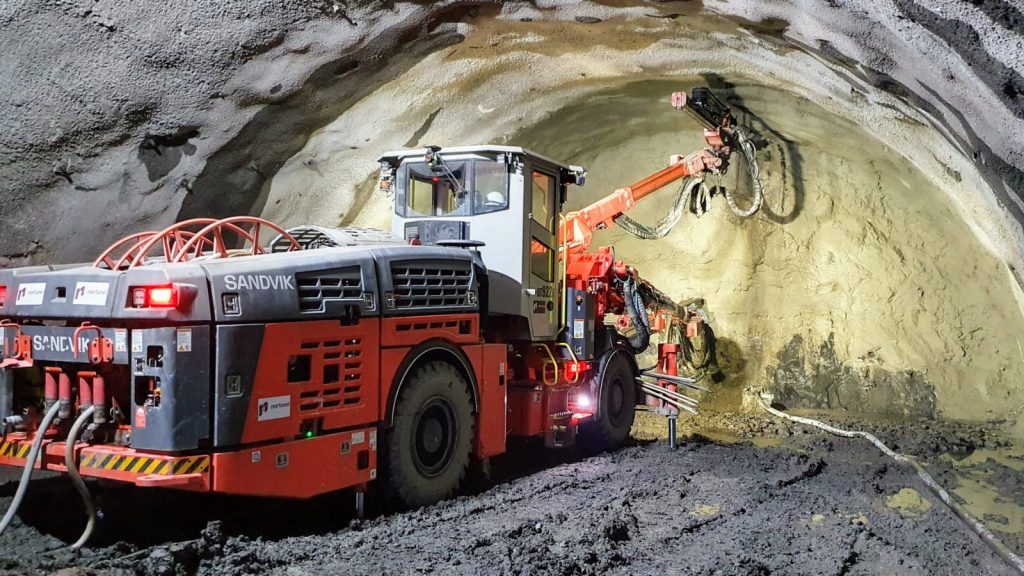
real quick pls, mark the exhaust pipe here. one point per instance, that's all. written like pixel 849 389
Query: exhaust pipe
pixel 6 393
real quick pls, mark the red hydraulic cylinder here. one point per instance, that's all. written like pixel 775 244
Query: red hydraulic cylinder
pixel 99 399
pixel 50 387
pixel 668 356
pixel 64 395
pixel 85 389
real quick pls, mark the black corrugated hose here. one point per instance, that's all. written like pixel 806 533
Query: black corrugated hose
pixel 637 314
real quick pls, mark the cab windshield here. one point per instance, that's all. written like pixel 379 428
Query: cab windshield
pixel 467 187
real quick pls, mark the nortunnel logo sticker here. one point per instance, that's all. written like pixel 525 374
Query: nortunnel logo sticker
pixel 274 408
pixel 31 294
pixel 235 282
pixel 91 293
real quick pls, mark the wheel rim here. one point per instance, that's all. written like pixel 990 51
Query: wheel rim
pixel 435 432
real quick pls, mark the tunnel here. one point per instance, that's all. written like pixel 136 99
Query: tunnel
pixel 868 282
pixel 879 286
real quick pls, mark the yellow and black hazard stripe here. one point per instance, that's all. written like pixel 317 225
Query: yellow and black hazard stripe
pixel 146 465
pixel 10 449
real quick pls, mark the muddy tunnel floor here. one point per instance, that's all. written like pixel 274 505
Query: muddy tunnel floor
pixel 794 501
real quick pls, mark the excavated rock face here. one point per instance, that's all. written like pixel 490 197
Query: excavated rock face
pixel 882 274
pixel 120 117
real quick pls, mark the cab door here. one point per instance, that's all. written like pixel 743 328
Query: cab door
pixel 542 286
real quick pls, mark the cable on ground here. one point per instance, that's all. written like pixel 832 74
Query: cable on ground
pixel 76 478
pixel 30 464
pixel 997 546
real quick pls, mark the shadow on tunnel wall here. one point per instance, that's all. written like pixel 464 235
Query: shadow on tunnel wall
pixel 236 179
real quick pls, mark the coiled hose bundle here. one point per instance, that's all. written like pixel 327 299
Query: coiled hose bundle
pixel 694 192
pixel 637 312
pixel 749 152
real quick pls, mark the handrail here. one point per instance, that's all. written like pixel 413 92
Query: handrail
pixel 553 362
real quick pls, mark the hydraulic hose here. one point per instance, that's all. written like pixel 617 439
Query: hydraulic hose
pixel 76 478
pixel 750 152
pixel 637 314
pixel 993 542
pixel 30 464
pixel 662 228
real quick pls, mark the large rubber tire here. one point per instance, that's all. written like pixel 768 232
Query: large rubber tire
pixel 616 397
pixel 428 445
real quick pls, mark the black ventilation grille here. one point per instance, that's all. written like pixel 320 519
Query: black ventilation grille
pixel 316 288
pixel 431 286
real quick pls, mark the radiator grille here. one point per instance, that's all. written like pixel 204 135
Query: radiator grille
pixel 340 379
pixel 431 286
pixel 316 288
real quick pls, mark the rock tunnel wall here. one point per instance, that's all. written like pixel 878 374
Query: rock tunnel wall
pixel 882 275
pixel 124 116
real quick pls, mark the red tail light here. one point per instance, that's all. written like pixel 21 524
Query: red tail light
pixel 574 369
pixel 155 297
pixel 3 296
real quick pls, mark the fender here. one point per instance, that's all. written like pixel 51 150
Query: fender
pixel 431 350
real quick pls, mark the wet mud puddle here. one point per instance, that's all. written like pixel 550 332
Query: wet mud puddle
pixel 990 483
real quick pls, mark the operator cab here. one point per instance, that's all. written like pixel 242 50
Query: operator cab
pixel 504 201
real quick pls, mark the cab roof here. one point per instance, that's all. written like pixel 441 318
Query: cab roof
pixel 401 155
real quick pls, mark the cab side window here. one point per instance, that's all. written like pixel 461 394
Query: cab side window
pixel 543 187
pixel 542 261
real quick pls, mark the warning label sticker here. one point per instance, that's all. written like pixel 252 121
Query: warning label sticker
pixel 577 328
pixel 120 340
pixel 184 339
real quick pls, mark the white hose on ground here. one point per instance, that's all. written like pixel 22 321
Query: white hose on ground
pixel 30 464
pixel 76 478
pixel 1015 561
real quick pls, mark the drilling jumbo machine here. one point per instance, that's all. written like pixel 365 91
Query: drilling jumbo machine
pixel 202 358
